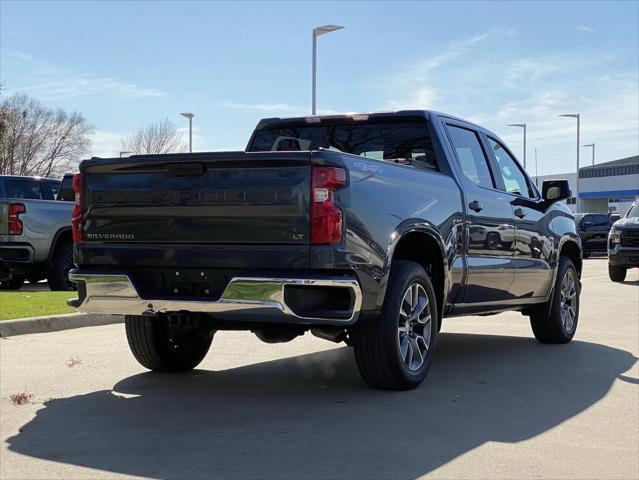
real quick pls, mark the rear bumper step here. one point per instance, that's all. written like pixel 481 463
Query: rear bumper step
pixel 244 298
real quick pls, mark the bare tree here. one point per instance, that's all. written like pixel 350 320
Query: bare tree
pixel 4 125
pixel 37 140
pixel 158 137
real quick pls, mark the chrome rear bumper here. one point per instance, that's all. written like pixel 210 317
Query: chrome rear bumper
pixel 245 298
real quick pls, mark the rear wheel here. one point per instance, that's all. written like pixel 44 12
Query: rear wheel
pixel 616 273
pixel 556 321
pixel 395 351
pixel 62 263
pixel 14 283
pixel 161 348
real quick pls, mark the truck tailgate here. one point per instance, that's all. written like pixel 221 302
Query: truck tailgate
pixel 226 197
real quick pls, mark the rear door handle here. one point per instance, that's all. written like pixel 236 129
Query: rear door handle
pixel 520 212
pixel 476 206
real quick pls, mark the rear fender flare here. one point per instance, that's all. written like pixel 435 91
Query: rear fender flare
pixel 403 229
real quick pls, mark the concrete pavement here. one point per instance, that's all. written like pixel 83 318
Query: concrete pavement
pixel 496 404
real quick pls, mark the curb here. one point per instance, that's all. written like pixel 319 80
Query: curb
pixel 55 323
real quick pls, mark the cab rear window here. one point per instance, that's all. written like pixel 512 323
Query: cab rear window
pixel 380 140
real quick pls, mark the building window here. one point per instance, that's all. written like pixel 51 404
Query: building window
pixel 571 201
pixel 594 172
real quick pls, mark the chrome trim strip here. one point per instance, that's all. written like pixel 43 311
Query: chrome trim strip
pixel 245 298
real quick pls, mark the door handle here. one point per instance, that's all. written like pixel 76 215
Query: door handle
pixel 520 212
pixel 476 206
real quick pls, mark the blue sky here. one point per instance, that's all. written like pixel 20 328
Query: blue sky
pixel 125 64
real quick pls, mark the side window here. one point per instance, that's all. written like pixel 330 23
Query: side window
pixel 470 156
pixel 49 190
pixel 514 179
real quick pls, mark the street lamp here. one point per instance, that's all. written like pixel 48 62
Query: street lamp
pixel 578 117
pixel 190 117
pixel 593 151
pixel 317 31
pixel 536 170
pixel 522 125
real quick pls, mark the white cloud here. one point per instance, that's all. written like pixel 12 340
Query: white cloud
pixel 586 28
pixel 261 107
pixel 105 143
pixel 85 84
pixel 495 90
pixel 423 98
pixel 59 83
pixel 421 69
pixel 281 109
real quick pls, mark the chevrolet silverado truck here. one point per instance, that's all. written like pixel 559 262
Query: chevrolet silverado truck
pixel 35 233
pixel 368 229
pixel 623 244
pixel 593 228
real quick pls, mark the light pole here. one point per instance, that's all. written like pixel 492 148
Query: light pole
pixel 522 125
pixel 593 151
pixel 190 117
pixel 578 117
pixel 317 31
pixel 536 170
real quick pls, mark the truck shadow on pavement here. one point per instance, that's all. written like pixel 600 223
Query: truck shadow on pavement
pixel 312 416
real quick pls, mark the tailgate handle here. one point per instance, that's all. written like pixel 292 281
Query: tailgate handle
pixel 185 169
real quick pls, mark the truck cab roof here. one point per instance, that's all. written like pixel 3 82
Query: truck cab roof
pixel 311 119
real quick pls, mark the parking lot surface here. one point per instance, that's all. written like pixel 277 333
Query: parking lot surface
pixel 496 404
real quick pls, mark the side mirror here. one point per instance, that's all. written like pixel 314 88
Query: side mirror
pixel 554 190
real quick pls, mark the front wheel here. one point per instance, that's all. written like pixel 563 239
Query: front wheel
pixel 394 352
pixel 161 348
pixel 616 273
pixel 556 321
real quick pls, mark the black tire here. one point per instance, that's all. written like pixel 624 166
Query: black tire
pixel 377 343
pixel 493 241
pixel 546 320
pixel 14 283
pixel 161 349
pixel 616 273
pixel 58 276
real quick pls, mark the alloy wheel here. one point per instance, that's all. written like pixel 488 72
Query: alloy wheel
pixel 414 327
pixel 569 301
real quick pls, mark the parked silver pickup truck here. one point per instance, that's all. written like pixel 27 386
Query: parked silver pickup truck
pixel 35 233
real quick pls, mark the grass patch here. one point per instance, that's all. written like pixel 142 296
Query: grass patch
pixel 34 304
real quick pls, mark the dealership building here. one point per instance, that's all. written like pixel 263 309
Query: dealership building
pixel 608 187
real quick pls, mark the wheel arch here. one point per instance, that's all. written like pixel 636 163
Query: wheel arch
pixel 62 236
pixel 422 244
pixel 571 249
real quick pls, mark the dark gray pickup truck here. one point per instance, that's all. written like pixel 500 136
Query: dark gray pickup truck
pixel 368 229
pixel 623 244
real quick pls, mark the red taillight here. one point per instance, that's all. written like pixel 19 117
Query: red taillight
pixel 15 224
pixel 326 217
pixel 76 215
